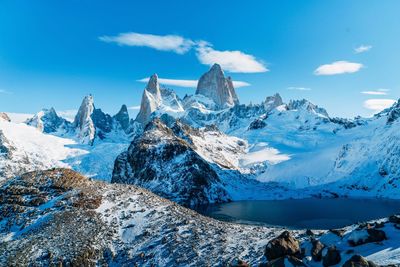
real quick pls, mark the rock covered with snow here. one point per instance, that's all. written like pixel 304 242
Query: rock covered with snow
pixel 308 106
pixel 48 121
pixel 4 117
pixel 272 102
pixel 214 85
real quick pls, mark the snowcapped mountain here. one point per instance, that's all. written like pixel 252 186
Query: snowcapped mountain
pixel 48 121
pixel 90 144
pixel 269 148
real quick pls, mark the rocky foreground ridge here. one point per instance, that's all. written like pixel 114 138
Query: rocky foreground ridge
pixel 58 217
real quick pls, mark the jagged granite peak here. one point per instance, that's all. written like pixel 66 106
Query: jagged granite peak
pixel 47 121
pixel 214 85
pixel 272 102
pixel 83 122
pixel 151 100
pixel 304 104
pixel 164 160
pixel 4 116
pixel 122 117
pixel 153 86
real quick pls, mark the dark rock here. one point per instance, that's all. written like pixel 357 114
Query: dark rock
pixel 358 261
pixel 257 124
pixel 283 245
pixel 316 251
pixel 332 257
pixel 338 232
pixel 394 219
pixel 239 263
pixel 309 232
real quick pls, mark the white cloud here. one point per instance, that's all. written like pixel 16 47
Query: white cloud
pixel 134 107
pixel 362 49
pixel 377 92
pixel 174 43
pixel 378 104
pixel 232 61
pixel 338 67
pixel 299 88
pixel 189 83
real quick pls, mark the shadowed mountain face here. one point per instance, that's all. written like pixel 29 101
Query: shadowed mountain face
pixel 164 160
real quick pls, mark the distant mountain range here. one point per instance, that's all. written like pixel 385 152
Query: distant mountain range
pixel 208 147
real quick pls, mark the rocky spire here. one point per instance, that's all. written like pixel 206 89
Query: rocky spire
pixel 83 121
pixel 122 117
pixel 151 100
pixel 215 86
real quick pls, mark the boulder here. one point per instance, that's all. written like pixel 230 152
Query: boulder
pixel 358 261
pixel 316 250
pixel 283 245
pixel 332 257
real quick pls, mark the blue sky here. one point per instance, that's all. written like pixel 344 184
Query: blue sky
pixel 342 55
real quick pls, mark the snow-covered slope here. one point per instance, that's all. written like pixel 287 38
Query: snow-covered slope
pixel 60 217
pixel 30 149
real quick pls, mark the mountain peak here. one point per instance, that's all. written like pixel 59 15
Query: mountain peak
pixel 151 100
pixel 123 117
pixel 83 121
pixel 214 85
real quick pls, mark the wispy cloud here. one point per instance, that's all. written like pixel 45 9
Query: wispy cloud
pixel 362 49
pixel 338 67
pixel 378 104
pixel 134 107
pixel 299 88
pixel 174 43
pixel 374 93
pixel 232 61
pixel 189 83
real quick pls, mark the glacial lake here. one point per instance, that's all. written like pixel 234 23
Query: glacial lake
pixel 312 213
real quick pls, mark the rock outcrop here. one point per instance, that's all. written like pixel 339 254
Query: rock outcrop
pixel 151 100
pixel 214 85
